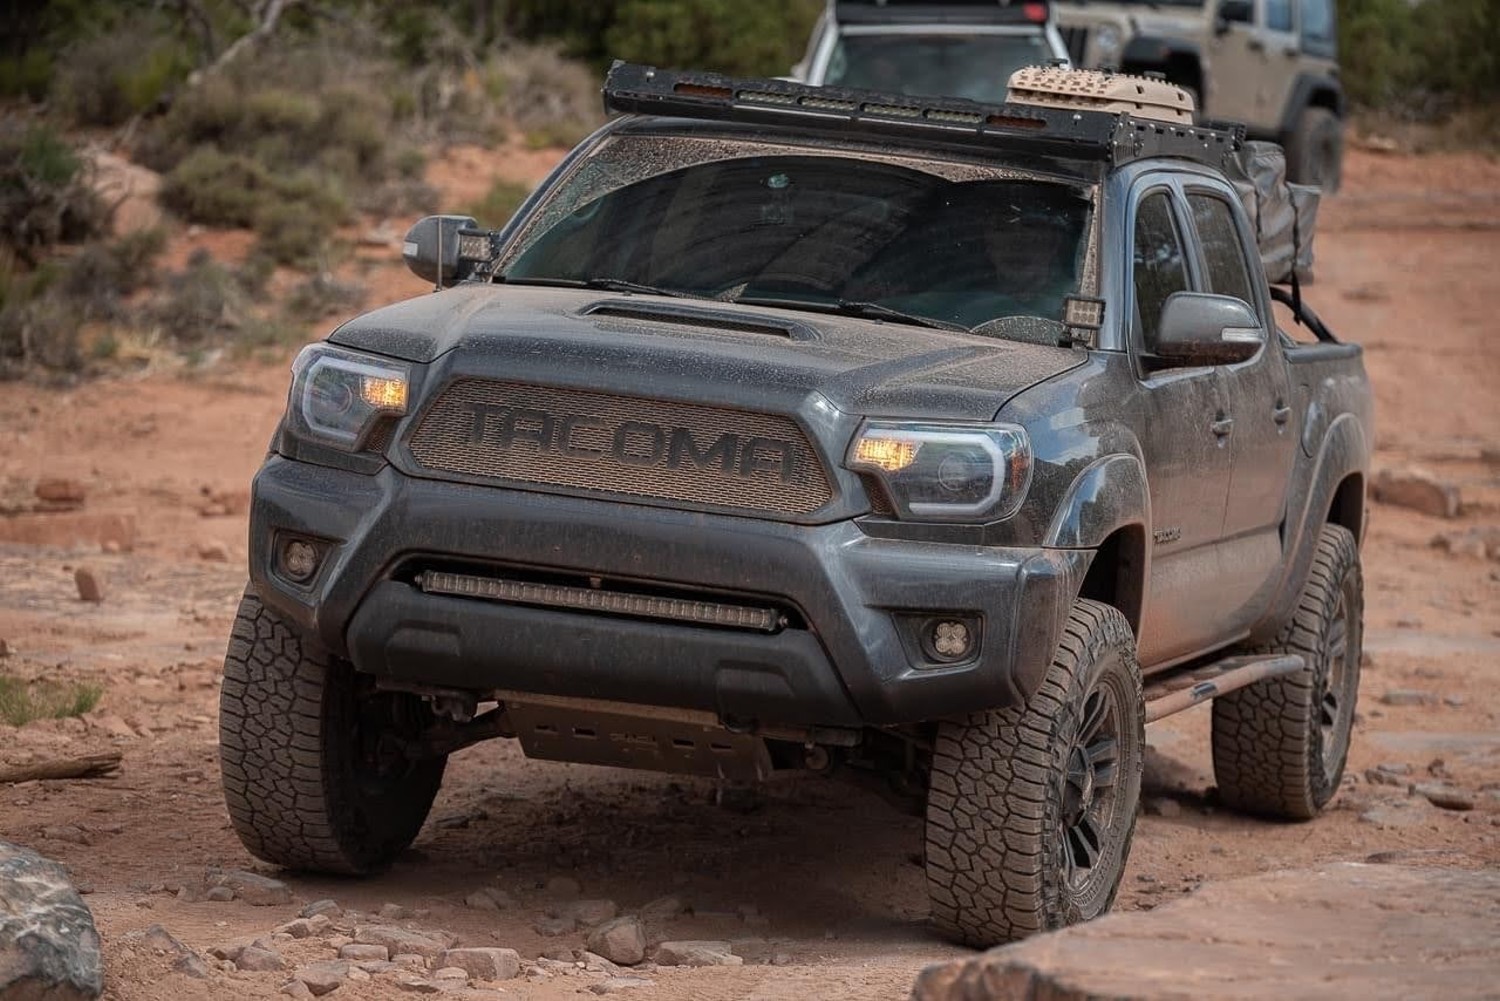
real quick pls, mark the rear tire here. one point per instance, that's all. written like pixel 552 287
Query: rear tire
pixel 1280 744
pixel 312 775
pixel 1031 810
pixel 1315 150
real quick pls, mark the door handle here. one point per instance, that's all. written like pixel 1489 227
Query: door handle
pixel 1291 51
pixel 1281 414
pixel 1255 44
pixel 1222 426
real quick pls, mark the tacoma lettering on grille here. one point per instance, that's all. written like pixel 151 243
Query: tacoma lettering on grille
pixel 582 440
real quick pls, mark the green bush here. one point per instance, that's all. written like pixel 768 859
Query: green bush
pixel 225 189
pixel 45 197
pixel 21 703
pixel 731 36
pixel 292 233
pixel 105 79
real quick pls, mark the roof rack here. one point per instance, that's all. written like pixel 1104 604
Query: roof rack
pixel 956 12
pixel 1074 133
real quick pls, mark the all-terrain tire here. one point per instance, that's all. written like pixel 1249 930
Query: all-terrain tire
pixel 1004 832
pixel 1315 150
pixel 311 777
pixel 1280 744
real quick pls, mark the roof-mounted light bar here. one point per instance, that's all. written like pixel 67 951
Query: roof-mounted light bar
pixel 1071 132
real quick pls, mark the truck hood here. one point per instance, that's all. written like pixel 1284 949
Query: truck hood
pixel 667 347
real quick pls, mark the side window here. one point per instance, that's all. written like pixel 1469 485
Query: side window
pixel 1223 252
pixel 1160 268
pixel 1278 15
pixel 1317 27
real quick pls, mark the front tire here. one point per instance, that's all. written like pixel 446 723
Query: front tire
pixel 1280 744
pixel 1031 810
pixel 311 755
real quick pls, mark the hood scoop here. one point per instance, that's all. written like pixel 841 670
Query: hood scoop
pixel 702 318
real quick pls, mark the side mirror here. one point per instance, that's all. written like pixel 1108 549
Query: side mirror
pixel 1199 329
pixel 1233 12
pixel 447 249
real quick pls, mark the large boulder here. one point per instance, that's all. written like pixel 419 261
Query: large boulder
pixel 49 948
pixel 1372 932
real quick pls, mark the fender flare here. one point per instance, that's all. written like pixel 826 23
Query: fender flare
pixel 1343 452
pixel 1109 494
pixel 1301 95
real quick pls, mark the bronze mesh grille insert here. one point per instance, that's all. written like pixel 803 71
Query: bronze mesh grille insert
pixel 591 441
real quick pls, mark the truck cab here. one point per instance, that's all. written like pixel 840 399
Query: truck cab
pixel 956 49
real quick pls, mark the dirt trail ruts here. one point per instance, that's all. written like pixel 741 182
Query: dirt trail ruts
pixel 831 872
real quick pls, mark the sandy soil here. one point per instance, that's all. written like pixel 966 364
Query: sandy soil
pixel 823 878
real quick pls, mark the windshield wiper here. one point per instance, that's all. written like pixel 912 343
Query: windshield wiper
pixel 876 311
pixel 605 284
pixel 847 307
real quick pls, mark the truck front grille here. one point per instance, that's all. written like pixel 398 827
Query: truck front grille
pixel 573 439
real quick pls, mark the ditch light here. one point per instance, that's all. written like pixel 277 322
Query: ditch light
pixel 593 599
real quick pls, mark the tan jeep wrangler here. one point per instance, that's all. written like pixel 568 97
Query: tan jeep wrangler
pixel 1271 64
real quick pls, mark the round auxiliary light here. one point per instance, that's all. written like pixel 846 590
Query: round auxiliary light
pixel 299 560
pixel 951 638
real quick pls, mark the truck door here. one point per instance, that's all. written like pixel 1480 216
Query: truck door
pixel 1179 421
pixel 1253 56
pixel 1263 433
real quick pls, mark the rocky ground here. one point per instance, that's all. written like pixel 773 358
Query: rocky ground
pixel 819 891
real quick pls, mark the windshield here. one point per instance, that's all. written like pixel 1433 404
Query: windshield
pixel 976 66
pixel 817 232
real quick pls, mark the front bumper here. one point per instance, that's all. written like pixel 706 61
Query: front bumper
pixel 848 660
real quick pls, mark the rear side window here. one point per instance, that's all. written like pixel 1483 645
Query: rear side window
pixel 1228 272
pixel 1279 15
pixel 1160 268
pixel 1317 27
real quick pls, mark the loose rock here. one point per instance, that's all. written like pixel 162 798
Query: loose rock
pixel 160 941
pixel 58 493
pixel 48 945
pixel 588 913
pixel 616 984
pixel 662 909
pixel 1418 490
pixel 296 989
pixel 219 894
pixel 481 964
pixel 323 977
pixel 550 927
pixel 1379 776
pixel 1444 796
pixel 401 942
pixel 1162 806
pixel 253 889
pixel 489 898
pixel 621 940
pixel 258 960
pixel 394 912
pixel 696 953
pixel 359 951
pixel 306 927
pixel 90 587
pixel 328 907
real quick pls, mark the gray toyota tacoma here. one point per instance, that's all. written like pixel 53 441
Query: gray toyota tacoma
pixel 789 427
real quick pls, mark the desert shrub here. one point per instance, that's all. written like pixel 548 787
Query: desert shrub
pixel 22 703
pixel 499 203
pixel 204 301
pixel 292 233
pixel 725 35
pixel 546 94
pixel 321 296
pixel 294 214
pixel 106 78
pixel 45 197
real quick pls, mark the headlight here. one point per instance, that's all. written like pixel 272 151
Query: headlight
pixel 338 396
pixel 946 472
pixel 1107 43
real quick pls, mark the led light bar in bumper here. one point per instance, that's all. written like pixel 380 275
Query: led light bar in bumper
pixel 590 599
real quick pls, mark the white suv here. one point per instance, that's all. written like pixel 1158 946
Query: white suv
pixel 950 49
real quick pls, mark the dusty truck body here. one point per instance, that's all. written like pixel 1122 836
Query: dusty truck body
pixel 763 439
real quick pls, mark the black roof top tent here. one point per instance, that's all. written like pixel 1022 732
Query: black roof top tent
pixel 940 12
pixel 1075 134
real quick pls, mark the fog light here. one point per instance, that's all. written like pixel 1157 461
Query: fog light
pixel 299 560
pixel 951 639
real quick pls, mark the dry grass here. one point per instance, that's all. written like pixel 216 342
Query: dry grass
pixel 22 702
